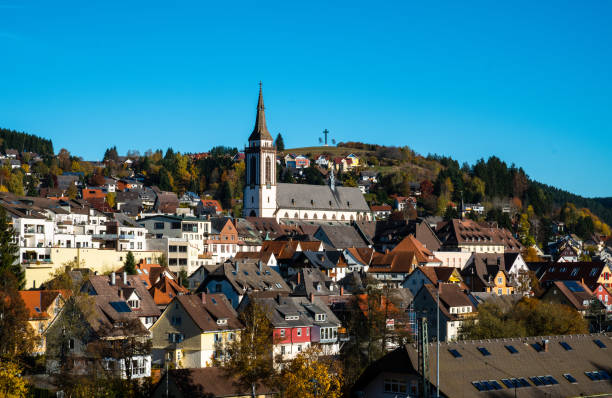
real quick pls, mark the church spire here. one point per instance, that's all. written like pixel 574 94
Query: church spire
pixel 260 131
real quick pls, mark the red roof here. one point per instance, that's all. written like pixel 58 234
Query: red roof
pixel 212 203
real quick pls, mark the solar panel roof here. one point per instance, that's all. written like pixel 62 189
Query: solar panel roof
pixel 120 306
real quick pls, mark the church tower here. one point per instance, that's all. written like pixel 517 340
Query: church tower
pixel 260 157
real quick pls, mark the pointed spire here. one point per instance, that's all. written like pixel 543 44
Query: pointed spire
pixel 260 131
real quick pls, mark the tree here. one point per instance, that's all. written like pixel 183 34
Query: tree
pixel 9 251
pixel 280 143
pixel 72 191
pixel 12 385
pixel 110 198
pixel 16 336
pixel 310 376
pixel 183 278
pixel 162 260
pixel 130 264
pixel 249 357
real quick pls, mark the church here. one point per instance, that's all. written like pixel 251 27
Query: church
pixel 264 197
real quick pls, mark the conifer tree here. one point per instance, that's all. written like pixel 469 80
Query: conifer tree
pixel 130 264
pixel 280 143
pixel 9 251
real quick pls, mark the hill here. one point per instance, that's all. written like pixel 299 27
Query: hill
pixel 23 142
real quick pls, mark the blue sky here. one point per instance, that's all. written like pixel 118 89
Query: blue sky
pixel 527 81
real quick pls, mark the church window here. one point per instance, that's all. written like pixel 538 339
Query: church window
pixel 312 202
pixel 315 216
pixel 268 171
pixel 286 215
pixel 252 199
pixel 334 217
pixel 343 217
pixel 292 201
pixel 295 216
pixel 325 216
pixel 253 170
pixel 352 218
pixel 306 216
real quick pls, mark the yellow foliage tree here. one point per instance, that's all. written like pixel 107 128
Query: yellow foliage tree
pixel 309 376
pixel 12 385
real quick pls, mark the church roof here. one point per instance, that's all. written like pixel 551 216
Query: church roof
pixel 260 131
pixel 320 198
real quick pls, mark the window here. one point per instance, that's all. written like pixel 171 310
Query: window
pixel 176 320
pixel 282 333
pixel 484 351
pixel 565 345
pixel 134 303
pixel 395 386
pixel 455 353
pixel 268 171
pixel 593 272
pixel 599 343
pixel 499 292
pixel 570 378
pixel 158 225
pixel 499 280
pixel 71 344
pixel 511 349
pixel 183 249
pixel 299 332
pixel 574 271
pixel 299 348
pixel 172 249
pixel 217 337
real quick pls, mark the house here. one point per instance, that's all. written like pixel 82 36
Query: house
pixel 298 323
pixel 222 240
pixel 296 161
pixel 330 262
pixel 43 306
pixel 568 254
pixel 358 258
pixel 190 199
pixel 238 157
pixel 394 266
pixel 431 276
pixel 312 281
pixel 401 203
pixel 386 234
pixel 323 161
pixel 166 202
pixel 341 236
pixel 574 294
pixel 381 212
pixel 266 257
pixel 126 292
pixel 165 290
pixel 604 295
pixel 455 307
pixel 486 272
pixel 368 175
pixel 592 273
pixel 476 208
pixel 569 366
pixel 235 279
pixel 207 382
pixel 475 237
pixel 109 323
pixel 209 206
pixel 193 329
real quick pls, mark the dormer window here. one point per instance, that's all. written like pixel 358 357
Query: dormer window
pixel 320 317
pixel 134 303
pixel 222 321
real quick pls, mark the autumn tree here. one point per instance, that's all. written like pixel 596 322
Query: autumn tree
pixel 12 385
pixel 9 251
pixel 249 357
pixel 110 198
pixel 309 375
pixel 16 336
pixel 72 191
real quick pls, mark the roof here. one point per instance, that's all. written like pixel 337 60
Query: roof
pixel 38 301
pixel 208 382
pixel 309 281
pixel 305 309
pixel 457 374
pixel 260 131
pixel 451 295
pixel 470 232
pixel 165 289
pixel 247 274
pixel 341 236
pixel 575 292
pixel 320 198
pixel 587 271
pixel 205 309
pixel 105 293
pixel 212 203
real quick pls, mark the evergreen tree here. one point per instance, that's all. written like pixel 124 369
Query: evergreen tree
pixel 9 251
pixel 130 264
pixel 280 143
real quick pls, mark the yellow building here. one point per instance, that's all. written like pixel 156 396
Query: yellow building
pixel 43 306
pixel 97 260
pixel 194 328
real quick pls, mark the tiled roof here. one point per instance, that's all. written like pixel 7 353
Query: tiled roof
pixel 205 309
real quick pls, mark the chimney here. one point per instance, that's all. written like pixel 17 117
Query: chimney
pixel 113 278
pixel 312 298
pixel 125 278
pixel 203 297
pixel 545 345
pixel 299 278
pixel 237 266
pixel 342 290
pixel 260 265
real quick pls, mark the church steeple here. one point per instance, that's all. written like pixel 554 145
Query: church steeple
pixel 260 131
